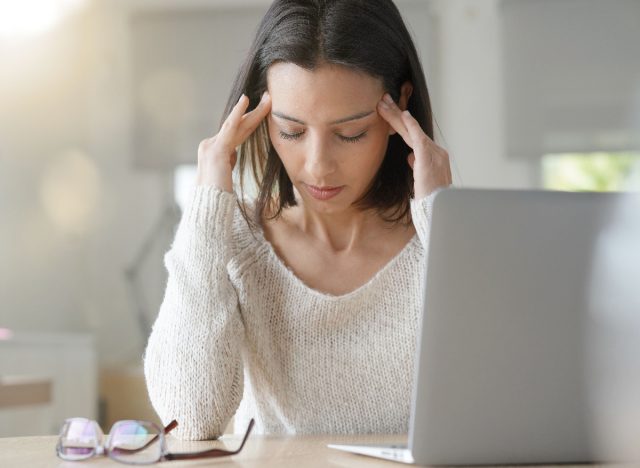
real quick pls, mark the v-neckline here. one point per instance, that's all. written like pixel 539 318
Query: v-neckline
pixel 326 295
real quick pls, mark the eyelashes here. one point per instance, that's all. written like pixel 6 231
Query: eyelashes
pixel 290 136
pixel 353 139
pixel 296 136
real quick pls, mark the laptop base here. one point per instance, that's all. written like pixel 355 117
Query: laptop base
pixel 393 452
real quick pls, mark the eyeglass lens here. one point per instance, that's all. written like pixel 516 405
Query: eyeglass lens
pixel 136 442
pixel 80 438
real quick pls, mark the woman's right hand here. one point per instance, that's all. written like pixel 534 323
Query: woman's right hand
pixel 217 155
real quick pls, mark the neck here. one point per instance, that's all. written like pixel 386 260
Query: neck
pixel 343 231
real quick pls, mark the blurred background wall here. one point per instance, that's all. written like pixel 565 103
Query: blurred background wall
pixel 102 106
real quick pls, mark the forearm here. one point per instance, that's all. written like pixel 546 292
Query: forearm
pixel 192 362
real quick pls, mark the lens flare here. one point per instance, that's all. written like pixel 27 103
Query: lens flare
pixel 31 17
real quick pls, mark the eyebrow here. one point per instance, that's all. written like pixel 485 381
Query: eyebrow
pixel 360 115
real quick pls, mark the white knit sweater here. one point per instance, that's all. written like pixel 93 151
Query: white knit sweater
pixel 239 333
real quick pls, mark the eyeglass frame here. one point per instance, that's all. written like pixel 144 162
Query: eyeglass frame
pixel 165 455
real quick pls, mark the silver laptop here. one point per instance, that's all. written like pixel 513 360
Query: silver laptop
pixel 503 374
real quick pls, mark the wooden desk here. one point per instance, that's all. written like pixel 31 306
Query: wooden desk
pixel 260 451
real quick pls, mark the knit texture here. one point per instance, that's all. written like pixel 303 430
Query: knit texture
pixel 239 334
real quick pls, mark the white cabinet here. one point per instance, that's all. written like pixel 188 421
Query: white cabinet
pixel 68 362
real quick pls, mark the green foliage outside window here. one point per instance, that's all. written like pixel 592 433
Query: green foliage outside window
pixel 599 172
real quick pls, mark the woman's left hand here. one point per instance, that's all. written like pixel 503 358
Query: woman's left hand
pixel 430 163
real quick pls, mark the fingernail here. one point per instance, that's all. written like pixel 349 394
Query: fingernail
pixel 387 98
pixel 241 96
pixel 265 95
pixel 384 105
pixel 406 113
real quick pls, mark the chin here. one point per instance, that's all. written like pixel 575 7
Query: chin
pixel 339 204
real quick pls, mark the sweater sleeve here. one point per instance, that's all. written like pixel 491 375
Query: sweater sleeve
pixel 421 211
pixel 192 363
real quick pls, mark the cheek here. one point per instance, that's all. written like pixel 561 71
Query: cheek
pixel 364 161
pixel 377 143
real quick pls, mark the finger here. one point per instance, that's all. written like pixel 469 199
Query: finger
pixel 251 120
pixel 413 127
pixel 228 131
pixel 422 143
pixel 238 110
pixel 390 112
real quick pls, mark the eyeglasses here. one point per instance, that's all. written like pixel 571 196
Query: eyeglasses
pixel 131 442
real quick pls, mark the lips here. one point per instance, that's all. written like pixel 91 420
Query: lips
pixel 323 193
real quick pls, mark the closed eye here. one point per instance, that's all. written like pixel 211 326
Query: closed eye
pixel 353 139
pixel 290 136
pixel 346 139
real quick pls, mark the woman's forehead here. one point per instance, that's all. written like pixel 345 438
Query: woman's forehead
pixel 332 90
pixel 324 74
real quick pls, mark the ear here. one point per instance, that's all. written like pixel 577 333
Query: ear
pixel 405 93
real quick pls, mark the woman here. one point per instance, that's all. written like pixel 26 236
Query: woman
pixel 301 308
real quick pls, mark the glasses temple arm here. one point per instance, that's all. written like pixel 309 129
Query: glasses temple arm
pixel 171 426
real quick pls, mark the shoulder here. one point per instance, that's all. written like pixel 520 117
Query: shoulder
pixel 252 241
pixel 253 235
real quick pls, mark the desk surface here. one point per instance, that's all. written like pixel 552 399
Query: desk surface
pixel 260 451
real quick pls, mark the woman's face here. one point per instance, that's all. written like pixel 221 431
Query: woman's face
pixel 327 132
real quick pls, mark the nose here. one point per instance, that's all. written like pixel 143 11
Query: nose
pixel 319 161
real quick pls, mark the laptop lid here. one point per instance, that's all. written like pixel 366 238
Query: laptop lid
pixel 502 373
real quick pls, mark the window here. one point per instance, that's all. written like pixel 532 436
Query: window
pixel 599 172
pixel 183 182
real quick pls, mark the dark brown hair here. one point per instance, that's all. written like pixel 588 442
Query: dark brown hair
pixel 364 35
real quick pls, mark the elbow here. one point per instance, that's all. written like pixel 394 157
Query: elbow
pixel 201 415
